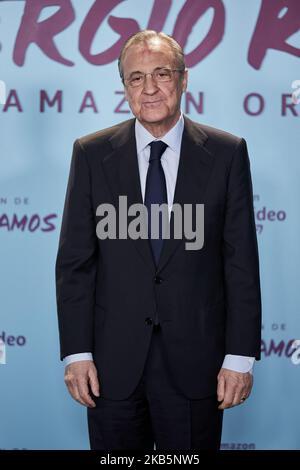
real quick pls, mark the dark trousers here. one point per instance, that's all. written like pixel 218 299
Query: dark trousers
pixel 156 412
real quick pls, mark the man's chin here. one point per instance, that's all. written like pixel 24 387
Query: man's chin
pixel 153 117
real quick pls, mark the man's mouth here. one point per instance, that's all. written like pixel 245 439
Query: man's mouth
pixel 152 104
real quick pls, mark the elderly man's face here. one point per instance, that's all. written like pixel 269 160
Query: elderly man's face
pixel 153 102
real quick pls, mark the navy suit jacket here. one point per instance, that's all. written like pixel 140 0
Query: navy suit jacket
pixel 108 291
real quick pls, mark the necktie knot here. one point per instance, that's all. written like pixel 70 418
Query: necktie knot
pixel 157 149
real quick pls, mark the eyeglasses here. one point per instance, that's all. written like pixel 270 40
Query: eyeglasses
pixel 160 75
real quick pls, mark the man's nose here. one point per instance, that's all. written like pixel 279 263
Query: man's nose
pixel 150 85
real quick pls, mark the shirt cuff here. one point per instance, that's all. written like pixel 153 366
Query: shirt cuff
pixel 77 357
pixel 238 363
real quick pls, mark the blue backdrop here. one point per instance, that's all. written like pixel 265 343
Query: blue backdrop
pixel 58 66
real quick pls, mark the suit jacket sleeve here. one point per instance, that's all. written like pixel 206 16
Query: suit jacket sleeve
pixel 75 267
pixel 241 263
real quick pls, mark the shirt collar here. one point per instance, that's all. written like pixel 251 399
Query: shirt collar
pixel 172 138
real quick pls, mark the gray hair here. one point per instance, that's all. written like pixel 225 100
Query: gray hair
pixel 144 37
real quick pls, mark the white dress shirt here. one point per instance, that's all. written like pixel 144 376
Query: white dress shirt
pixel 170 162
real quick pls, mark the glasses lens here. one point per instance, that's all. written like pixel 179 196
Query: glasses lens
pixel 159 75
pixel 136 79
pixel 163 75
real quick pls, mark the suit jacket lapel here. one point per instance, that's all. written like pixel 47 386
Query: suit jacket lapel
pixel 122 172
pixel 195 165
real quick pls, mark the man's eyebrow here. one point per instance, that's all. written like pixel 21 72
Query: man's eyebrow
pixel 135 71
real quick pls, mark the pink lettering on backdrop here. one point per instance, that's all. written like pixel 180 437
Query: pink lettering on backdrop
pixel 119 108
pixel 43 32
pixel 191 101
pixel 88 102
pixel 125 27
pixel 272 30
pixel 45 100
pixel 187 18
pixel 259 104
pixel 277 21
pixel 287 104
pixel 12 101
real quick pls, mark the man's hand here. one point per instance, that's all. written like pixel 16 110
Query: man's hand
pixel 78 376
pixel 233 387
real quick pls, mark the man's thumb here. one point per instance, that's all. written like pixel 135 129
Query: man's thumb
pixel 221 388
pixel 94 383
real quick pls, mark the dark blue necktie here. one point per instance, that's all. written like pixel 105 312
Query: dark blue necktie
pixel 156 192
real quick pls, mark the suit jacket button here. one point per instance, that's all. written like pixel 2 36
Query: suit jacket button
pixel 148 321
pixel 158 280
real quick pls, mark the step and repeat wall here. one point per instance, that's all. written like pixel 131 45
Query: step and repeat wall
pixel 59 80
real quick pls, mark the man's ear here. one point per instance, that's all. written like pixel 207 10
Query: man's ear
pixel 185 80
pixel 125 93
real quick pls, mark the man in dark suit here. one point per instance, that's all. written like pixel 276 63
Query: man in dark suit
pixel 157 339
